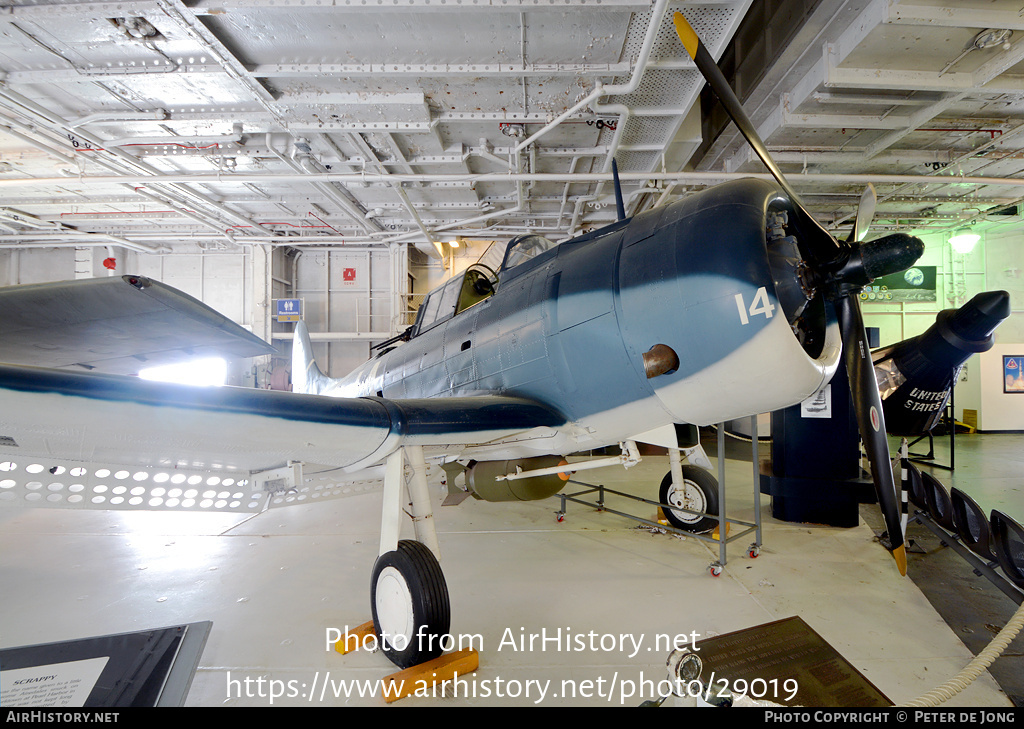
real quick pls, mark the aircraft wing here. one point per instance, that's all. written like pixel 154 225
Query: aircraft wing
pixel 118 324
pixel 85 416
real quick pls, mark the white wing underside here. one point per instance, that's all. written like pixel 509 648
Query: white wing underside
pixel 58 419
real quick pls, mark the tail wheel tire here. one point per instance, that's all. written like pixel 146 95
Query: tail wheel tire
pixel 699 492
pixel 409 598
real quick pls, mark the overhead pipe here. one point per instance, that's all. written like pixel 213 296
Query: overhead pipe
pixel 433 246
pixel 53 240
pixel 363 219
pixel 327 190
pixel 119 117
pixel 657 16
pixel 697 177
pixel 31 221
pixel 967 155
pixel 565 190
pixel 219 140
pixel 41 146
pixel 62 230
pixel 56 121
pixel 501 212
pixel 70 161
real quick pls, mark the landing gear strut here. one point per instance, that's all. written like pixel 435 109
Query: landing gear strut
pixel 408 592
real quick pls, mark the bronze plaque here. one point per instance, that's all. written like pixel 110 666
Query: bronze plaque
pixel 787 663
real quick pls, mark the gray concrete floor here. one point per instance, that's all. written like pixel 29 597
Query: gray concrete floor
pixel 274 585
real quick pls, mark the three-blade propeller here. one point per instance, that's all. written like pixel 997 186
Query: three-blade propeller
pixel 839 269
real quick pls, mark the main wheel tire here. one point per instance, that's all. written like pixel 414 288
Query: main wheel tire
pixel 699 493
pixel 409 598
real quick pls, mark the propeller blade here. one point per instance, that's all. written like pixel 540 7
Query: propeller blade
pixel 709 69
pixel 825 248
pixel 868 405
pixel 865 213
pixel 839 271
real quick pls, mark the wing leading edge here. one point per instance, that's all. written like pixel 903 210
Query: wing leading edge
pixel 93 417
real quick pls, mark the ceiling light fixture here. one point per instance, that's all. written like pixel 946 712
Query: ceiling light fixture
pixel 963 240
pixel 985 39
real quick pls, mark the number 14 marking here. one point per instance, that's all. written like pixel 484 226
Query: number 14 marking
pixel 760 305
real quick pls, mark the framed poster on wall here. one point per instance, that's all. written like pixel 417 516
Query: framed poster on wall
pixel 915 285
pixel 1013 374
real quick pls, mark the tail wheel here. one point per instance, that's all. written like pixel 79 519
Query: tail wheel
pixel 409 597
pixel 699 492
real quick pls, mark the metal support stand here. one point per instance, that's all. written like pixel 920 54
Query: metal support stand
pixel 950 417
pixel 715 568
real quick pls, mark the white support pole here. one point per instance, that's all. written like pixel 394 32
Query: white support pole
pixel 262 291
pixel 904 484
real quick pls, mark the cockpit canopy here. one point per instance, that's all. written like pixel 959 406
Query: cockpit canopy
pixel 476 284
pixel 523 248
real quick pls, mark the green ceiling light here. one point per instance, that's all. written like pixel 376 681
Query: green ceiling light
pixel 963 240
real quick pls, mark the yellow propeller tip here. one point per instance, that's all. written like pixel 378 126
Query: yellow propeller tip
pixel 686 34
pixel 900 555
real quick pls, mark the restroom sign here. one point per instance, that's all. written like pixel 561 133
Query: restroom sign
pixel 289 309
pixel 348 275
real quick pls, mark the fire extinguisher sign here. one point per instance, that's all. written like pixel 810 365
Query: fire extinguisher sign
pixel 348 276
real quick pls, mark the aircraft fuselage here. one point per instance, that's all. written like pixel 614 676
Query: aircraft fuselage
pixel 570 327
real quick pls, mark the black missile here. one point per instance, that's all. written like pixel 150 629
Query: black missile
pixel 916 375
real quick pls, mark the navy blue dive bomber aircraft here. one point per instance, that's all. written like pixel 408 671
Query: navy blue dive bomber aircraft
pixel 728 303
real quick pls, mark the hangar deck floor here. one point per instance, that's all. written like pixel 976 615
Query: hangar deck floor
pixel 275 584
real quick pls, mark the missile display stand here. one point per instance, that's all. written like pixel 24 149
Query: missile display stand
pixel 723 538
pixel 949 415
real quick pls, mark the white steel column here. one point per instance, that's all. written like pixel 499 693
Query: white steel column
pixel 262 291
pixel 398 258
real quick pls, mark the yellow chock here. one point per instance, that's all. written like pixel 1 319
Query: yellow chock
pixel 354 638
pixel 714 534
pixel 423 679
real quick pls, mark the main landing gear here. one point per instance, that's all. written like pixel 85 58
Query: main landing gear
pixel 408 592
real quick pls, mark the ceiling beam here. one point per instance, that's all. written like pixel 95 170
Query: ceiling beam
pixel 951 16
pixel 450 6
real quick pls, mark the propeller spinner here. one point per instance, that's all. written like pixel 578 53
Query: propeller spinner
pixel 839 269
